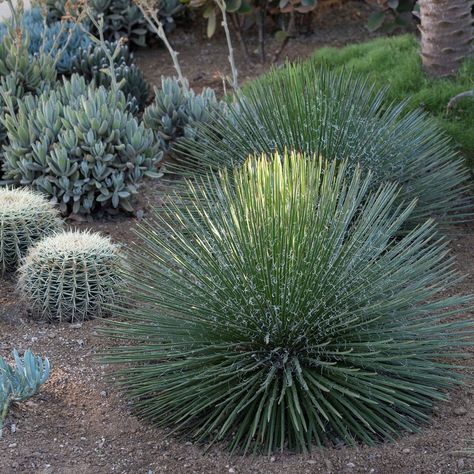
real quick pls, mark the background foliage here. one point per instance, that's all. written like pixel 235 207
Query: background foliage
pixel 395 62
pixel 338 116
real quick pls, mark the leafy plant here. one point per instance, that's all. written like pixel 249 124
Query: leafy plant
pixel 91 62
pixel 22 381
pixel 25 218
pixel 246 13
pixel 338 116
pixel 176 111
pixel 21 74
pixel 391 14
pixel 80 146
pixel 71 276
pixel 122 18
pixel 275 309
pixel 59 39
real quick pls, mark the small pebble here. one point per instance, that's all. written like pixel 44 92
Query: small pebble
pixel 460 411
pixel 231 469
pixel 13 428
pixel 350 464
pixel 13 445
pixel 406 451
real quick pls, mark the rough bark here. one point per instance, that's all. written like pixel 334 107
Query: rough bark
pixel 446 34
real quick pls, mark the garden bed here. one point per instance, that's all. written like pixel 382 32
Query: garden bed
pixel 79 422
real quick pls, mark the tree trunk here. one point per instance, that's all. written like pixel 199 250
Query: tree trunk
pixel 446 34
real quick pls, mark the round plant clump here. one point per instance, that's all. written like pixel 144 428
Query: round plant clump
pixel 280 308
pixel 25 218
pixel 71 276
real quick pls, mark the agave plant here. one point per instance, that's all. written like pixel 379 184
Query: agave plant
pixel 338 116
pixel 22 381
pixel 71 276
pixel 271 307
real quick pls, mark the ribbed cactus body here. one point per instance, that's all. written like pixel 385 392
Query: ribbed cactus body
pixel 25 218
pixel 71 276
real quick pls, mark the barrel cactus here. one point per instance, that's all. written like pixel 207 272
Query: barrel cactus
pixel 81 147
pixel 71 276
pixel 25 218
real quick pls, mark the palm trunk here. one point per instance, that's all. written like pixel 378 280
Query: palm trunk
pixel 446 34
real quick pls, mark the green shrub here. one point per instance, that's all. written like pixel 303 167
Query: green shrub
pixel 176 112
pixel 91 62
pixel 81 147
pixel 276 310
pixel 25 218
pixel 337 116
pixel 396 63
pixel 71 276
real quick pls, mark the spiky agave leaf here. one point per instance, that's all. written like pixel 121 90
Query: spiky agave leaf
pixel 339 116
pixel 275 309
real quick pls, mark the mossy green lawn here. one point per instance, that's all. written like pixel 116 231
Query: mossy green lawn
pixel 395 62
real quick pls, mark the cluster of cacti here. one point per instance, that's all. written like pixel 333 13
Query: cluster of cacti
pixel 80 146
pixel 60 39
pixel 22 381
pixel 177 112
pixel 25 218
pixel 71 276
pixel 91 62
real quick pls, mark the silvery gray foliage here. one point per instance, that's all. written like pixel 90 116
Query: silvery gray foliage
pixel 71 276
pixel 176 111
pixel 22 381
pixel 25 218
pixel 80 146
